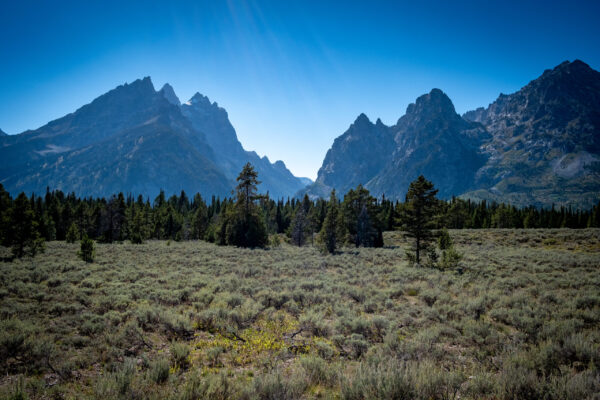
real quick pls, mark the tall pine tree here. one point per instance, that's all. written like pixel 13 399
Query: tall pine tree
pixel 418 215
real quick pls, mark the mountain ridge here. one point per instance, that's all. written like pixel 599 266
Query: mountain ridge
pixel 538 146
pixel 50 155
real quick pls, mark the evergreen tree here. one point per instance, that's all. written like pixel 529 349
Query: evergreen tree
pixel 299 227
pixel 88 249
pixel 199 219
pixel 418 217
pixel 360 215
pixel 245 226
pixel 137 228
pixel 328 236
pixel 23 235
pixel 5 211
pixel 72 233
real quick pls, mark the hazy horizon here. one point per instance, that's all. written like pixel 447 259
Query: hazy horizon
pixel 292 76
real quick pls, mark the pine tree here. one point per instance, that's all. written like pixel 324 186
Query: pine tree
pixel 199 219
pixel 328 236
pixel 72 233
pixel 23 235
pixel 244 224
pixel 88 249
pixel 418 217
pixel 299 227
pixel 5 211
pixel 360 215
pixel 137 228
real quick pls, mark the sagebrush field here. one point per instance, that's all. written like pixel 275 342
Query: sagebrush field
pixel 519 319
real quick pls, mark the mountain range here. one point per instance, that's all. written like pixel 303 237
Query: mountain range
pixel 539 146
pixel 135 139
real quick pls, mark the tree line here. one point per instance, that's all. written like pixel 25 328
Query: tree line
pixel 248 219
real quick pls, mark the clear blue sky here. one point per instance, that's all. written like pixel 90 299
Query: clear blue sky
pixel 293 75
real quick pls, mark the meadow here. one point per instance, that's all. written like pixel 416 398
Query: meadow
pixel 518 319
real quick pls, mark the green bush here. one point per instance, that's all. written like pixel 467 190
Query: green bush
pixel 273 386
pixel 318 371
pixel 180 355
pixel 159 371
pixel 379 380
pixel 88 249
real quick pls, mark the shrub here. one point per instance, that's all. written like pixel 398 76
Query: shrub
pixel 180 355
pixel 379 380
pixel 19 392
pixel 450 258
pixel 124 376
pixel 159 371
pixel 519 382
pixel 274 241
pixel 88 249
pixel 274 386
pixel 213 354
pixel 317 370
pixel 444 239
pixel 358 345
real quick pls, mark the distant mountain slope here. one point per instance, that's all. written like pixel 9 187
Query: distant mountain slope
pixel 355 157
pixel 214 122
pixel 538 146
pixel 135 139
pixel 2 133
pixel 143 160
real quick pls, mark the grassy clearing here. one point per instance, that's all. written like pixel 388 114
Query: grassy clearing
pixel 191 320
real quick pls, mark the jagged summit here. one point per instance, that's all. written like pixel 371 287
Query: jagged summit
pixel 169 94
pixel 201 100
pixel 434 102
pixel 575 66
pixel 144 83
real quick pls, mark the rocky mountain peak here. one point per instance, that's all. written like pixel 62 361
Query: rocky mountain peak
pixel 199 100
pixel 2 133
pixel 169 94
pixel 144 84
pixel 362 121
pixel 435 102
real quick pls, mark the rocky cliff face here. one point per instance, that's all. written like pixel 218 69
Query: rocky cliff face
pixel 545 140
pixel 431 139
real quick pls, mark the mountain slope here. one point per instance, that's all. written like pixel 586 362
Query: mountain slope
pixel 354 158
pixel 91 151
pixel 214 122
pixel 144 159
pixel 545 146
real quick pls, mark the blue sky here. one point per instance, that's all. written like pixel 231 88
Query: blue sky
pixel 293 75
